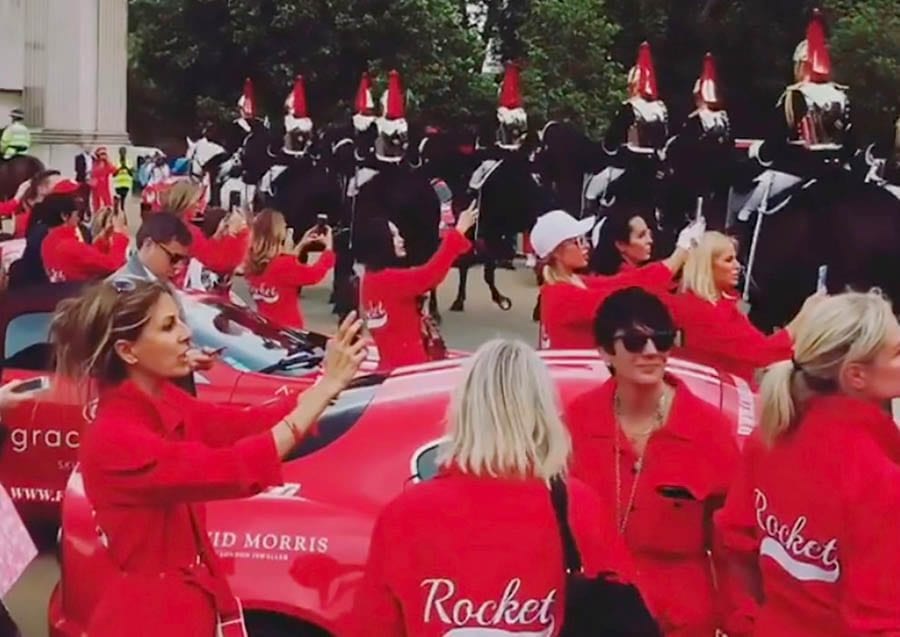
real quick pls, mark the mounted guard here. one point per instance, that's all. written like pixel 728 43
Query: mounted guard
pixel 699 161
pixel 302 186
pixel 510 199
pixel 814 132
pixel 633 142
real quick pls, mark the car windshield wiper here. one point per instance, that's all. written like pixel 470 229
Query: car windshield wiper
pixel 303 358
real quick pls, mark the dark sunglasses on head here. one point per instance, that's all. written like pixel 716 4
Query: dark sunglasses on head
pixel 123 285
pixel 635 341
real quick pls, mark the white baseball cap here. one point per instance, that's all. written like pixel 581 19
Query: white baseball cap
pixel 555 227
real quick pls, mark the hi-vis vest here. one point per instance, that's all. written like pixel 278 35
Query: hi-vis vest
pixel 123 177
pixel 16 139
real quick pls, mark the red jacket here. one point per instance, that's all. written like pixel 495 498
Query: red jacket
pixel 222 255
pixel 719 334
pixel 275 289
pixel 67 258
pixel 149 464
pixel 466 551
pixel 20 214
pixel 668 538
pixel 819 512
pixel 390 301
pixel 567 311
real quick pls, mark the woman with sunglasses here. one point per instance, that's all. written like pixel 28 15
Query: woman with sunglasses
pixel 659 457
pixel 811 522
pixel 275 274
pixel 569 300
pixel 65 254
pixel 715 331
pixel 154 455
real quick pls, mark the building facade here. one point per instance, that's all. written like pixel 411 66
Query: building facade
pixel 65 64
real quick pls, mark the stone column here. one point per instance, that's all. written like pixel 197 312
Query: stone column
pixel 75 76
pixel 112 66
pixel 35 72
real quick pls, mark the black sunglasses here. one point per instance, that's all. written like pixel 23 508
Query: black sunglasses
pixel 635 341
pixel 174 259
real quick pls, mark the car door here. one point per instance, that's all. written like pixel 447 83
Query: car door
pixel 40 437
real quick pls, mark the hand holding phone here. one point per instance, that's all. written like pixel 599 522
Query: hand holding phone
pixel 18 391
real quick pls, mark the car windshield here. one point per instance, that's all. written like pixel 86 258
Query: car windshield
pixel 253 344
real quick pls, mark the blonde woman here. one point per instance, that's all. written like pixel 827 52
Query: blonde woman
pixel 478 546
pixel 714 329
pixel 815 512
pixel 568 300
pixel 274 272
pixel 221 253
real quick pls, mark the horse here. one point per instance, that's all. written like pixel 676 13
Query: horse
pixel 837 225
pixel 565 159
pixel 16 170
pixel 510 198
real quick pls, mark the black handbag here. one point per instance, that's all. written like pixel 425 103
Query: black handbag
pixel 599 606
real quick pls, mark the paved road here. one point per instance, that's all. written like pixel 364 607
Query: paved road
pixel 481 321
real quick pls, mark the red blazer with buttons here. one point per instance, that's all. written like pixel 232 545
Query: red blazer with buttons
pixel 819 512
pixel 463 551
pixel 668 538
pixel 149 463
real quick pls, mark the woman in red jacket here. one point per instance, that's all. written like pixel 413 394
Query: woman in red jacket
pixel 67 257
pixel 154 455
pixel 812 519
pixel 390 295
pixel 568 300
pixel 661 460
pixel 714 329
pixel 274 272
pixel 624 242
pixel 220 253
pixel 478 547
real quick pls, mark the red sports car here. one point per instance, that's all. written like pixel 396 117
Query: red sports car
pixel 39 440
pixel 296 553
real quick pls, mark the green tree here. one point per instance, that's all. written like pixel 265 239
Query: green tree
pixel 569 72
pixel 189 57
pixel 865 45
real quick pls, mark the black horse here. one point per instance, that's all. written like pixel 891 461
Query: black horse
pixel 850 227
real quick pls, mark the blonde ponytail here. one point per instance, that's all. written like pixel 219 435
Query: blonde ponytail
pixel 842 329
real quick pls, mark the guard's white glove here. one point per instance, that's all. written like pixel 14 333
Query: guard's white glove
pixel 753 151
pixel 691 235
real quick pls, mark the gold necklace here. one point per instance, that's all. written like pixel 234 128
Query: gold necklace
pixel 658 421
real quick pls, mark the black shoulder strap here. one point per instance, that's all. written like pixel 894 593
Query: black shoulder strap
pixel 560 498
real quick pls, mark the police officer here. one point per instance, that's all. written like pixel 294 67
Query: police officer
pixel 123 179
pixel 16 138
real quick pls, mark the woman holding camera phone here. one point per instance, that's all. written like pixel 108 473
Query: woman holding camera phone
pixel 273 269
pixel 154 455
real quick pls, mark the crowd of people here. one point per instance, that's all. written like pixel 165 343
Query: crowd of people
pixel 796 536
pixel 636 491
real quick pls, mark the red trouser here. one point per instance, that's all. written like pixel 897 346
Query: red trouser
pixel 101 196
